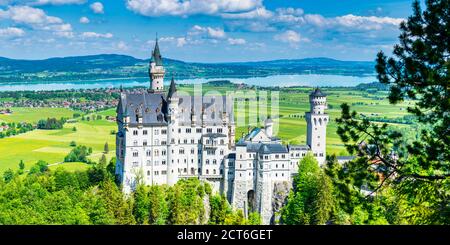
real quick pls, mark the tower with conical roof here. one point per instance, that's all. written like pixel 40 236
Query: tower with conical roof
pixel 156 70
pixel 317 121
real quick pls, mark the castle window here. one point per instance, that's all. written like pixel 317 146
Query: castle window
pixel 277 156
pixel 149 153
pixel 188 130
pixel 207 161
pixel 282 165
pixel 192 151
pixel 156 172
pixel 135 154
pixel 144 132
pixel 219 130
pixel 179 130
pixel 185 141
pixel 163 142
pixel 135 132
pixel 209 130
pixel 185 170
pixel 192 171
pixel 144 142
pixel 192 141
pixel 135 143
pixel 156 132
pixel 156 153
pixel 221 171
pixel 214 161
pixel 221 152
pixel 207 171
pixel 164 172
pixel 222 142
pixel 163 131
pixel 199 130
pixel 283 156
pixel 163 152
pixel 181 151
pixel 148 172
pixel 276 166
pixel 214 171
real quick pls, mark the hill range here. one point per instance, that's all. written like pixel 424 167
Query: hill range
pixel 105 66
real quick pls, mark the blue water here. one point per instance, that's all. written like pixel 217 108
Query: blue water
pixel 270 81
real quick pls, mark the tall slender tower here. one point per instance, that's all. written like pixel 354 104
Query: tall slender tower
pixel 317 121
pixel 172 148
pixel 156 70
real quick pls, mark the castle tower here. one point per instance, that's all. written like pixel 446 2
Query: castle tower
pixel 172 135
pixel 317 121
pixel 264 186
pixel 156 70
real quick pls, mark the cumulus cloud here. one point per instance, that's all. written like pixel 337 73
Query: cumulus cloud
pixel 84 20
pixel 207 32
pixel 97 7
pixel 37 19
pixel 291 37
pixel 121 45
pixel 190 7
pixel 236 41
pixel 58 2
pixel 28 15
pixel 96 35
pixel 11 32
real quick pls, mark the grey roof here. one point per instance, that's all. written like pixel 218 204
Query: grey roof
pixel 252 134
pixel 156 55
pixel 264 148
pixel 299 147
pixel 151 107
pixel 318 93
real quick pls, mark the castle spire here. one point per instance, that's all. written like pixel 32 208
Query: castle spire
pixel 156 54
pixel 172 88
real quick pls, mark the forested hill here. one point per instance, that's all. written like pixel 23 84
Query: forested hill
pixel 121 66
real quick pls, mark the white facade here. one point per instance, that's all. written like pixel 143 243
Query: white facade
pixel 163 138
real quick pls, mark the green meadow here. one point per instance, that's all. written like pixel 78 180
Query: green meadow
pixel 53 145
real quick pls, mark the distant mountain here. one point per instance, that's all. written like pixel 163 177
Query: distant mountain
pixel 122 66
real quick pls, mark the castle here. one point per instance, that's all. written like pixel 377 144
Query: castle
pixel 162 138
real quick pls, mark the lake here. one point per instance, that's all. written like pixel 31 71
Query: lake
pixel 310 80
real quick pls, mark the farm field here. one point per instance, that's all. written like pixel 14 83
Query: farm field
pixel 53 145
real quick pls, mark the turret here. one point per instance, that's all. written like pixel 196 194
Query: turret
pixel 172 135
pixel 317 121
pixel 156 70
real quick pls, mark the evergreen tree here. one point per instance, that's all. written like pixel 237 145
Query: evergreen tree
pixel 106 148
pixel 417 167
pixel 311 200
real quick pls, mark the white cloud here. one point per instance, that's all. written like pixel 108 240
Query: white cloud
pixel 84 20
pixel 96 35
pixel 181 41
pixel 97 7
pixel 58 2
pixel 236 41
pixel 190 7
pixel 208 32
pixel 11 32
pixel 258 13
pixel 366 22
pixel 290 37
pixel 28 15
pixel 37 19
pixel 121 45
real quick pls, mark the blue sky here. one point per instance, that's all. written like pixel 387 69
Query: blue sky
pixel 201 30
